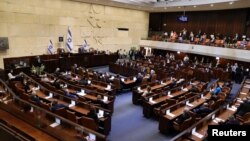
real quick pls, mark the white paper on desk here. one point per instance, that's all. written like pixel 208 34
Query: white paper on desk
pixel 239 100
pixel 108 87
pixel 92 137
pixel 81 93
pixel 185 89
pixel 134 78
pixel 151 100
pixel 170 114
pixel 232 108
pixel 50 96
pixel 122 79
pixel 202 96
pixel 196 134
pixel 243 93
pixel 247 86
pixel 139 89
pixel 100 113
pixel 73 103
pixel 89 82
pixel 105 98
pixel 112 77
pixel 219 120
pixel 56 123
pixel 189 104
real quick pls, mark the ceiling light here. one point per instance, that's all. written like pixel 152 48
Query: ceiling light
pixel 178 52
pixel 194 6
pixel 231 2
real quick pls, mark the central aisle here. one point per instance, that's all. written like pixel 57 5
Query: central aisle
pixel 128 123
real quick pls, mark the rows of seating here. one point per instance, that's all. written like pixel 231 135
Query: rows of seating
pixel 226 114
pixel 90 94
pixel 73 109
pixel 45 120
pixel 15 132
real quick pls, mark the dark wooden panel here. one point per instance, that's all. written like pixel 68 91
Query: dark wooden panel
pixel 225 22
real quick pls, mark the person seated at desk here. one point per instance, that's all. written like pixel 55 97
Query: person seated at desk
pixel 84 81
pixel 217 90
pixel 139 78
pixel 99 100
pixel 203 109
pixel 69 94
pixel 147 91
pixel 55 106
pixel 75 69
pixel 14 77
pixel 194 88
pixel 37 62
pixel 230 121
pixel 57 83
pixel 34 97
pixel 186 115
pixel 57 72
pixel 92 114
pixel 173 84
pixel 243 108
pixel 26 87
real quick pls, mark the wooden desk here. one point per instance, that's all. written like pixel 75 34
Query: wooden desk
pixel 165 122
pixel 80 110
pixel 25 127
pixel 203 129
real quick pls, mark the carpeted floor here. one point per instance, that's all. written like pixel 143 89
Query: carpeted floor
pixel 128 123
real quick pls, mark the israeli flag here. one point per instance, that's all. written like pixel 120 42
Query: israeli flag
pixel 69 43
pixel 50 47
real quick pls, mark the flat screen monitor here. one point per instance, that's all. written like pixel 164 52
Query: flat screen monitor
pixel 182 18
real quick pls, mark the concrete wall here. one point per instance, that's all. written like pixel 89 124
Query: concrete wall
pixel 30 24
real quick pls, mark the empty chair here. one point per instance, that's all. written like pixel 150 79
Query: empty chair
pixel 89 123
pixel 71 116
pixel 117 84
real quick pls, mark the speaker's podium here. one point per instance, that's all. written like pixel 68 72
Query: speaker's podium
pixel 60 50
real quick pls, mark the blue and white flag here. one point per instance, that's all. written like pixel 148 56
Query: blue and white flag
pixel 85 45
pixel 69 43
pixel 50 47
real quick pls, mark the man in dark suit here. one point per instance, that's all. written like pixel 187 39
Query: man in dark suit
pixel 92 114
pixel 243 108
pixel 186 115
pixel 37 62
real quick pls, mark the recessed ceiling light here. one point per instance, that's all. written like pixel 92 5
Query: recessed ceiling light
pixel 194 6
pixel 231 2
pixel 211 5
